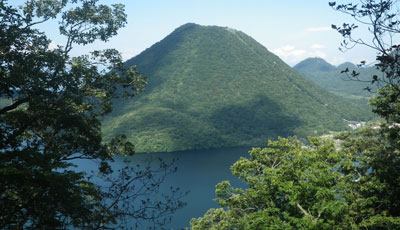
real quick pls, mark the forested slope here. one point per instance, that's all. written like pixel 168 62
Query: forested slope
pixel 212 86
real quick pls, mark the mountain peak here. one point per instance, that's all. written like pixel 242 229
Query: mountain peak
pixel 187 26
pixel 316 63
pixel 347 65
pixel 209 28
pixel 211 87
pixel 333 79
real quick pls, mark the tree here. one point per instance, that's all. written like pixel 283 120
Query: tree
pixel 322 185
pixel 49 119
pixel 319 186
pixel 352 184
pixel 376 194
pixel 382 20
pixel 289 187
pixel 381 155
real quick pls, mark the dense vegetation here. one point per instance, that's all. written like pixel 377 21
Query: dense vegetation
pixel 212 87
pixel 50 109
pixel 318 186
pixel 352 183
pixel 331 78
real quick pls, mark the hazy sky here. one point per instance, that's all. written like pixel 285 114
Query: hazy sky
pixel 292 29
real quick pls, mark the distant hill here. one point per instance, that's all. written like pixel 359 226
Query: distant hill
pixel 212 87
pixel 330 77
pixel 315 64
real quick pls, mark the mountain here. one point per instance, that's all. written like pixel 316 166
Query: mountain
pixel 212 87
pixel 330 77
pixel 315 64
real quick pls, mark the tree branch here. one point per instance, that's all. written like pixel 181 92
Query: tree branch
pixel 304 211
pixel 13 106
pixel 307 214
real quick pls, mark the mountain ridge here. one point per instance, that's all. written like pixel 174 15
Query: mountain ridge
pixel 212 87
pixel 337 82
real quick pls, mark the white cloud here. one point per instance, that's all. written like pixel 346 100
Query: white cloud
pixel 293 55
pixel 317 46
pixel 288 51
pixel 297 53
pixel 287 48
pixel 318 29
pixel 290 54
pixel 336 60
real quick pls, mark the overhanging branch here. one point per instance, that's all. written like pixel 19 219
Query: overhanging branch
pixel 13 106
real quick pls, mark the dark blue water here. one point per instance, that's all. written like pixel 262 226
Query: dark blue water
pixel 198 172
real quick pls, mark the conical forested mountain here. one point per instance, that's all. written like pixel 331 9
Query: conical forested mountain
pixel 211 87
pixel 315 64
pixel 330 77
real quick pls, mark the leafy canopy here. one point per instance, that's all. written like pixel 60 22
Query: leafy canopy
pixel 383 22
pixel 49 119
pixel 290 187
pixel 352 183
pixel 318 186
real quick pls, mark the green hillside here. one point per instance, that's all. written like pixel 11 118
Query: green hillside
pixel 330 77
pixel 214 87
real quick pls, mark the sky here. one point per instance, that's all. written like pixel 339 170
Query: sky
pixel 292 29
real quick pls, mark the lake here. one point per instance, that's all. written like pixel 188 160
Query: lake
pixel 198 171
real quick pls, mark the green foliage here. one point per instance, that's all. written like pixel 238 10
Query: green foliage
pixel 352 184
pixel 51 104
pixel 318 186
pixel 214 87
pixel 377 193
pixel 381 150
pixel 289 187
pixel 335 81
pixel 383 22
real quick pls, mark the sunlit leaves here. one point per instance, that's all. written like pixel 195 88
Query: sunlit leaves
pixel 52 118
pixel 290 185
pixel 90 21
pixel 320 185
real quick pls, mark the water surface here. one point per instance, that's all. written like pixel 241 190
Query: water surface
pixel 198 171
